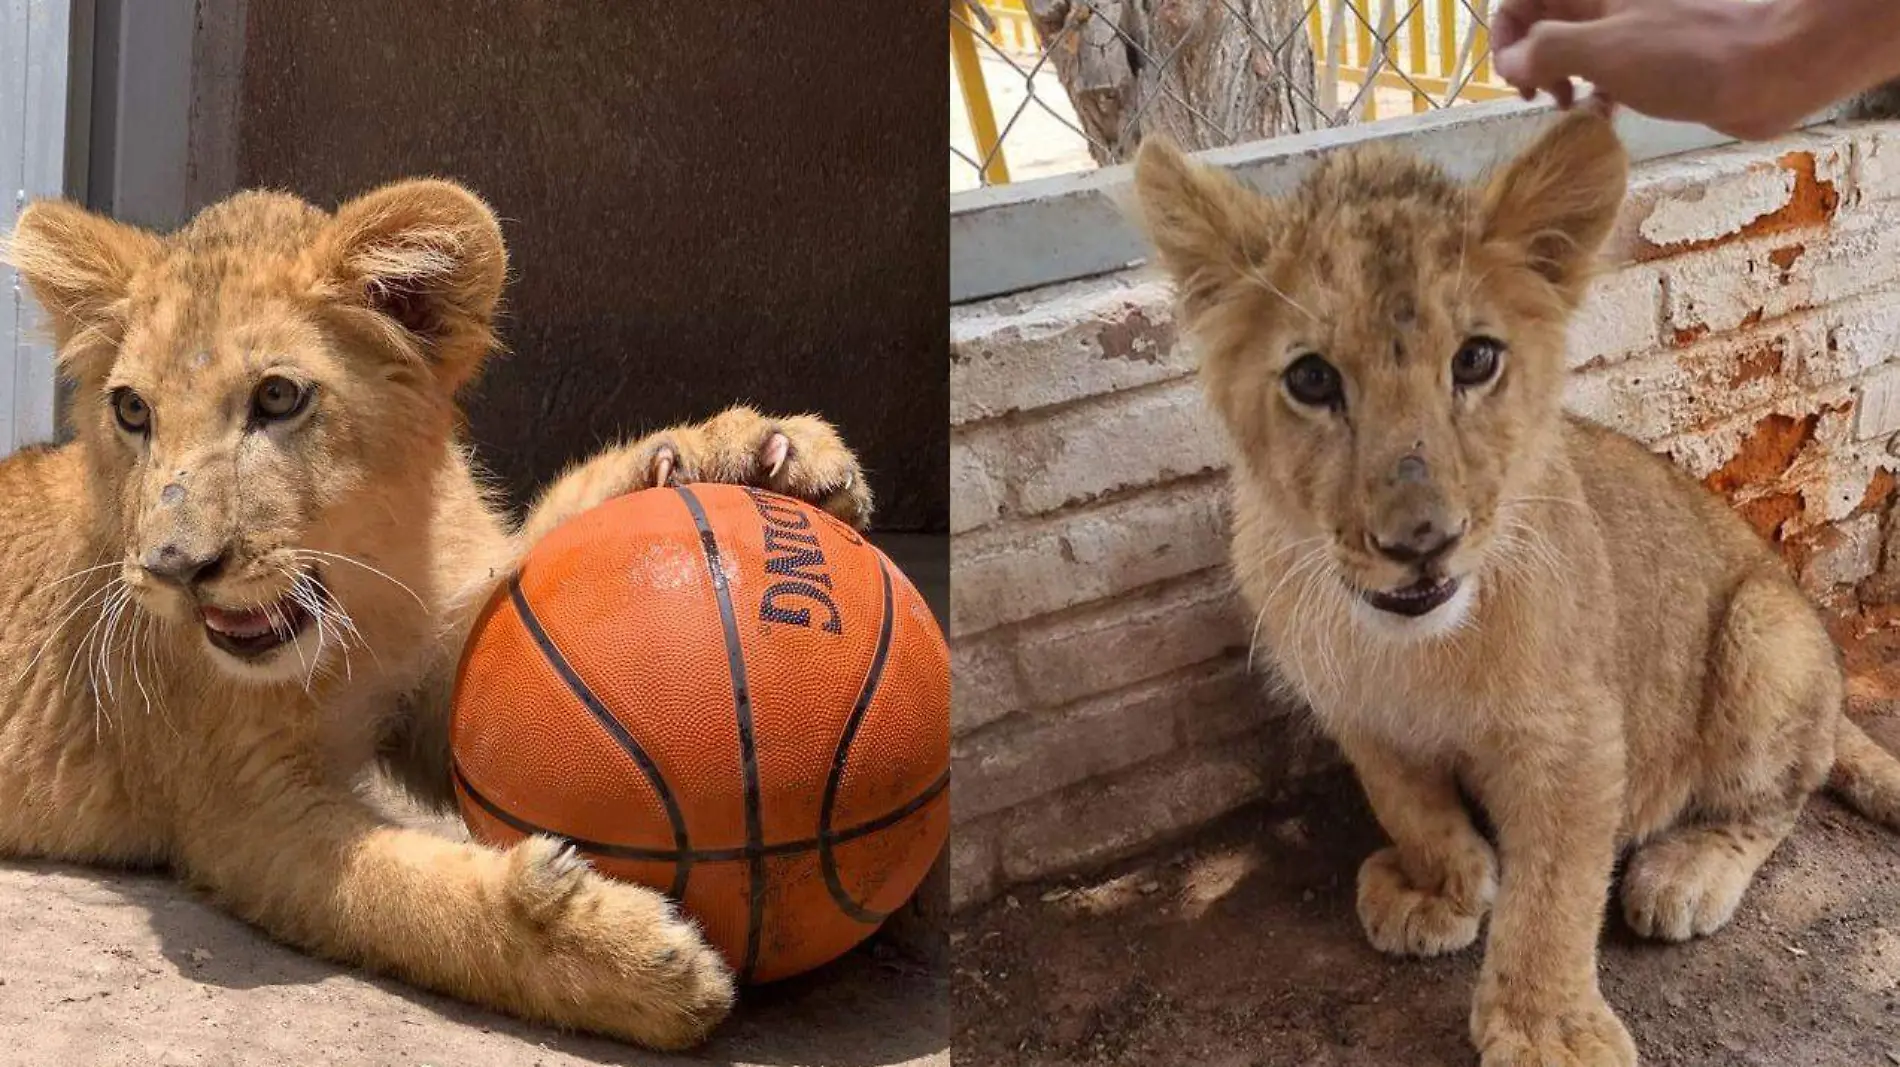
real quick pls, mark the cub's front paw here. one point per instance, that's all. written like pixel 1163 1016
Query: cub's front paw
pixel 1408 920
pixel 1587 1034
pixel 800 456
pixel 608 956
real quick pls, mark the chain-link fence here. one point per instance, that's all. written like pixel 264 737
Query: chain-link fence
pixel 1042 87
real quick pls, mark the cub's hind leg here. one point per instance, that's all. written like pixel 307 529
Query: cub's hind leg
pixel 1764 745
pixel 1688 881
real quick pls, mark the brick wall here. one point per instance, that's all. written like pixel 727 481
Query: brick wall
pixel 1748 327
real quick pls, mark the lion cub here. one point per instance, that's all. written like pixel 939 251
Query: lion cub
pixel 249 576
pixel 1474 590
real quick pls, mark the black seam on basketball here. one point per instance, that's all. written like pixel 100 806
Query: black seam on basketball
pixel 614 728
pixel 827 861
pixel 748 743
pixel 708 855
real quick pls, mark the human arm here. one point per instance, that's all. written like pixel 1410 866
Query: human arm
pixel 1750 70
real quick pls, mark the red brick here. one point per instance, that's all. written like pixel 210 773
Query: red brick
pixel 1706 448
pixel 1765 455
pixel 1747 191
pixel 1654 397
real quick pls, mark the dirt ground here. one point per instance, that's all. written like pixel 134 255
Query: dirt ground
pixel 1241 947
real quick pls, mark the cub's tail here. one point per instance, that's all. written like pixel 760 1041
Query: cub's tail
pixel 1865 775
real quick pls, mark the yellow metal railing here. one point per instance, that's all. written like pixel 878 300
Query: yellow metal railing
pixel 1437 60
pixel 1013 30
pixel 967 68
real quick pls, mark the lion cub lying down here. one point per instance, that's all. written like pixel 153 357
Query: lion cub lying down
pixel 250 575
pixel 1476 591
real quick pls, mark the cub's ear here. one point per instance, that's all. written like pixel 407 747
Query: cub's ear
pixel 1208 229
pixel 80 268
pixel 426 258
pixel 1555 203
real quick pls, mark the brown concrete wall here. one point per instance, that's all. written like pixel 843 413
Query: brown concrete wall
pixel 706 203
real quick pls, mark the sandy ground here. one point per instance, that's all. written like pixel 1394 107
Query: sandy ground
pixel 1241 947
pixel 113 970
pixel 116 969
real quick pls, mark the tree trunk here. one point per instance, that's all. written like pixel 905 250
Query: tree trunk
pixel 1226 84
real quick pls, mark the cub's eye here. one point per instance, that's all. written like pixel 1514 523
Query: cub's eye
pixel 278 397
pixel 131 410
pixel 1477 361
pixel 1313 381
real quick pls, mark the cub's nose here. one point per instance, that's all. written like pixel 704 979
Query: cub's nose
pixel 180 565
pixel 1423 543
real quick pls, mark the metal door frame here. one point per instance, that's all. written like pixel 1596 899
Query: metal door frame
pixel 45 90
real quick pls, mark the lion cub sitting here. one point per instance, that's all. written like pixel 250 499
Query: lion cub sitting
pixel 1473 589
pixel 249 577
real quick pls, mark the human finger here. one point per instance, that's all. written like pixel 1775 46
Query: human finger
pixel 1510 22
pixel 1565 93
pixel 1549 55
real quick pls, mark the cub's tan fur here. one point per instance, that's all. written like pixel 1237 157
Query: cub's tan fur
pixel 1623 665
pixel 127 738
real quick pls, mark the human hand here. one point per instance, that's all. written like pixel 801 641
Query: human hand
pixel 1687 60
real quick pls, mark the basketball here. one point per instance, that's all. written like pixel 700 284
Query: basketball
pixel 724 694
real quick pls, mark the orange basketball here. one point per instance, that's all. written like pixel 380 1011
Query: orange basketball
pixel 724 694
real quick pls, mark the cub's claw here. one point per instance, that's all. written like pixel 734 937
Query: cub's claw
pixel 778 448
pixel 801 456
pixel 661 465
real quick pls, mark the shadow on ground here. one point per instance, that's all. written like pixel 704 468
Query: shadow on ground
pixel 107 968
pixel 1241 947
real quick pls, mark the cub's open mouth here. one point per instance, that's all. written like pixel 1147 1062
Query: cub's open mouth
pixel 252 632
pixel 1413 600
